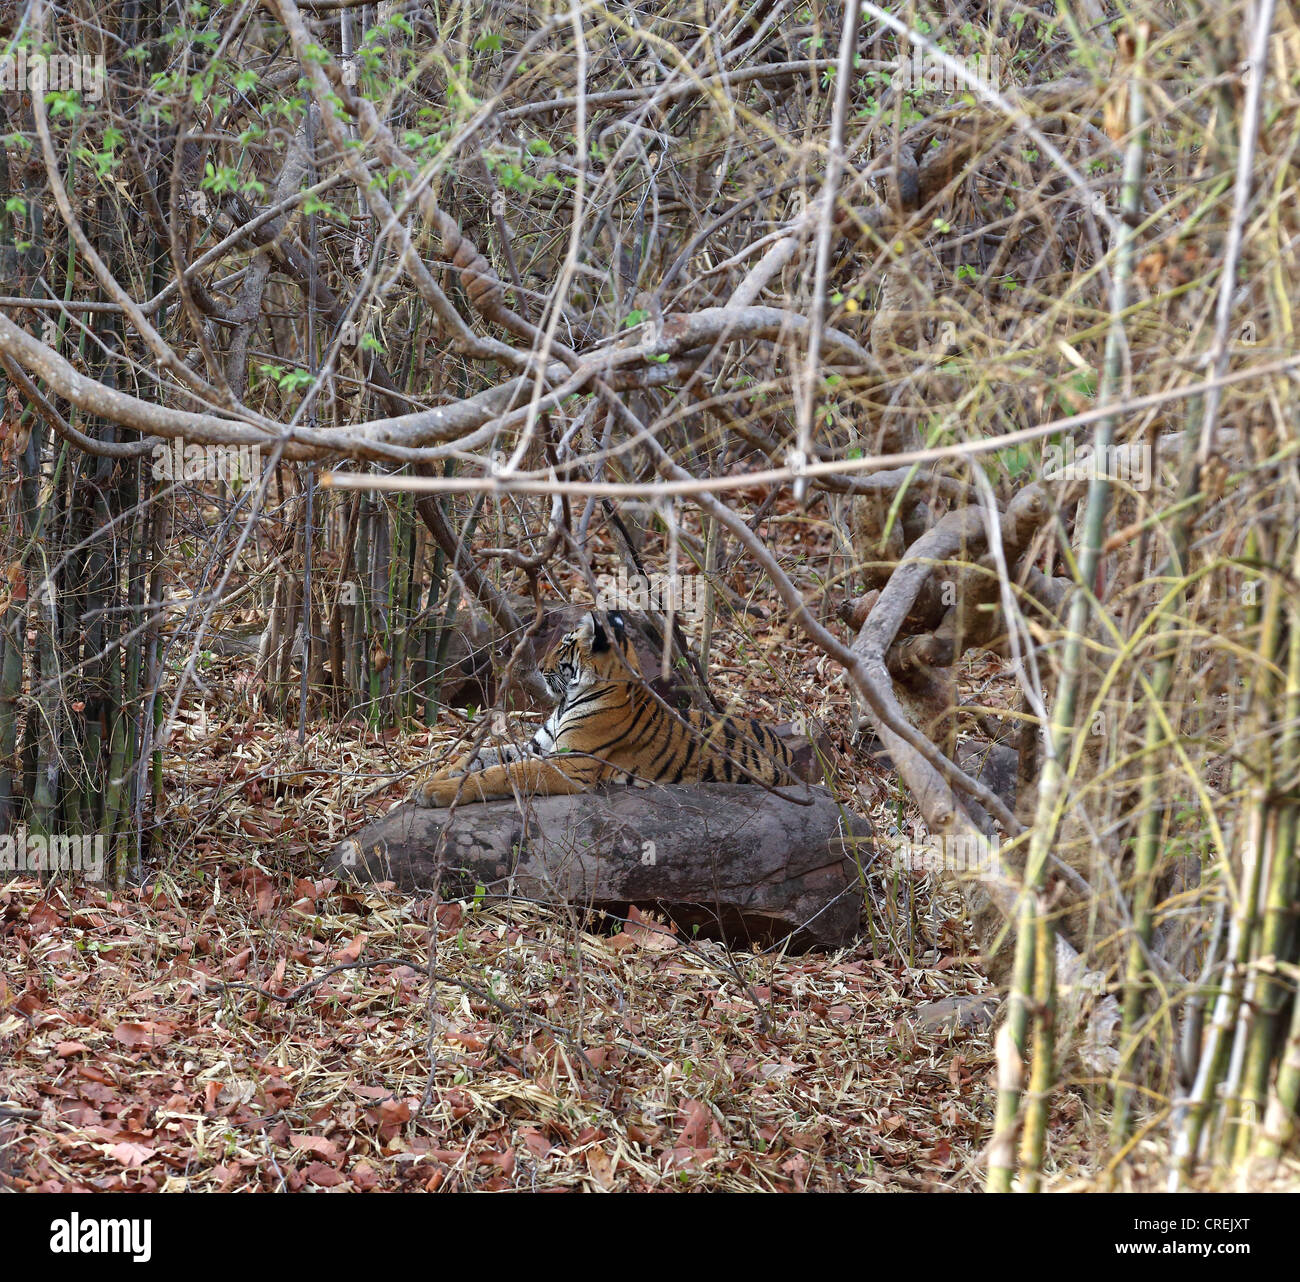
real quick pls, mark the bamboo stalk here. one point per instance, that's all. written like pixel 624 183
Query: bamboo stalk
pixel 1012 1044
pixel 128 778
pixel 1042 1070
pixel 1277 928
pixel 1223 1020
pixel 47 775
pixel 710 594
pixel 399 576
pixel 1062 727
pixel 308 538
pixel 1280 1119
pixel 433 639
pixel 161 528
pixel 14 622
pixel 1190 1119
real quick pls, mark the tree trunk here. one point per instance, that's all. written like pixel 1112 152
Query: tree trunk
pixel 735 860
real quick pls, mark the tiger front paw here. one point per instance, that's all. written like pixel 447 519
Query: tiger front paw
pixel 431 792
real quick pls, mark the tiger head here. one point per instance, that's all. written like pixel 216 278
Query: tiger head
pixel 592 653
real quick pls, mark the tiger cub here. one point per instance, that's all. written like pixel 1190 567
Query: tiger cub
pixel 610 727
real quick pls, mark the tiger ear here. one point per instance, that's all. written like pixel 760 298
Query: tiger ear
pixel 599 641
pixel 615 620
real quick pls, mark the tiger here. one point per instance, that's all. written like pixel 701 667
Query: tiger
pixel 610 728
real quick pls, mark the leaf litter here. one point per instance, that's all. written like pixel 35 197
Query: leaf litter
pixel 145 1042
pixel 241 1023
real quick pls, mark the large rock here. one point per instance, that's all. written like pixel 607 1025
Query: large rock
pixel 735 860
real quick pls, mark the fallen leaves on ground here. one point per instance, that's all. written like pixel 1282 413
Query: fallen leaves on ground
pixel 603 1056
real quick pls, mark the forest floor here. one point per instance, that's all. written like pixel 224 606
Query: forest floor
pixel 237 1022
pixel 233 1020
pixel 198 1031
pixel 143 1058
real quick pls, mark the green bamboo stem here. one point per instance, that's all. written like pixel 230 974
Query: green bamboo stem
pixel 14 627
pixel 1280 1120
pixel 1264 993
pixel 1042 1064
pixel 48 704
pixel 133 667
pixel 432 636
pixel 401 537
pixel 1191 1119
pixel 12 636
pixel 1163 642
pixel 114 806
pixel 1214 1056
pixel 1144 869
pixel 1277 926
pixel 1062 727
pixel 160 529
pixel 1012 1044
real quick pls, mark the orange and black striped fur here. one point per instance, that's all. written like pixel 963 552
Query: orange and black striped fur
pixel 608 728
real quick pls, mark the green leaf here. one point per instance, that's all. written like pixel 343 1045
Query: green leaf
pixel 1015 460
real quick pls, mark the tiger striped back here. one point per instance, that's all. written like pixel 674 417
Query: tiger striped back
pixel 609 727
